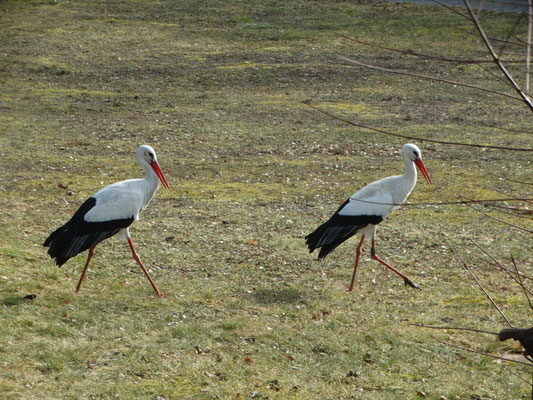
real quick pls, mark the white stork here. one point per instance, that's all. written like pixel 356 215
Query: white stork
pixel 109 211
pixel 363 211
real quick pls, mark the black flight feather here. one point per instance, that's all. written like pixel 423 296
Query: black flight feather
pixel 78 235
pixel 338 229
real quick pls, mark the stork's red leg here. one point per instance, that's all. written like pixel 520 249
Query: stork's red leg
pixel 357 254
pixel 91 252
pixel 405 279
pixel 136 257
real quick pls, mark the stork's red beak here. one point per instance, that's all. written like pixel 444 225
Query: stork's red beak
pixel 423 169
pixel 159 174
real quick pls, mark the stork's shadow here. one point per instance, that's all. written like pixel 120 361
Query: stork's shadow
pixel 273 296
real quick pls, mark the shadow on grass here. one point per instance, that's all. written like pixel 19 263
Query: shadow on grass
pixel 14 300
pixel 272 296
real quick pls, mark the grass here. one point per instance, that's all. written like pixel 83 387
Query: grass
pixel 216 88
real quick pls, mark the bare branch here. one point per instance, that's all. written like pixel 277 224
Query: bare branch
pixel 493 39
pixel 500 220
pixel 482 288
pixel 515 374
pixel 510 180
pixel 482 146
pixel 455 328
pixel 505 82
pixel 504 129
pixel 529 29
pixel 526 99
pixel 481 3
pixel 498 264
pixel 431 78
pixel 511 34
pixel 451 9
pixel 480 352
pixel 521 284
pixel 426 56
pixel 512 197
pixel 440 203
pixel 512 210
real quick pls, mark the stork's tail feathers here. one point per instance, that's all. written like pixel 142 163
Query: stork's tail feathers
pixel 56 250
pixel 328 237
pixel 337 230
pixel 70 240
pixel 78 235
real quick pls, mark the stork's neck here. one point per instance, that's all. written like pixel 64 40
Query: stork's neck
pixel 410 171
pixel 408 178
pixel 152 181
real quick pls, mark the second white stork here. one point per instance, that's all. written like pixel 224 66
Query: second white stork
pixel 363 211
pixel 109 211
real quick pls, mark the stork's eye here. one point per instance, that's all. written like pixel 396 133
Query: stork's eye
pixel 416 154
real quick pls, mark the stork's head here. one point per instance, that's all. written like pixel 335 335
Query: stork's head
pixel 146 157
pixel 411 152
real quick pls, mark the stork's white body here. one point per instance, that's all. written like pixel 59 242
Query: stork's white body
pixel 123 199
pixel 382 197
pixel 364 210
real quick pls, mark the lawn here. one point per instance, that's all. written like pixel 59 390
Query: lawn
pixel 217 88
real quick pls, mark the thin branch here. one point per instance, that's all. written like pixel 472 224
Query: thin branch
pixel 505 129
pixel 482 146
pixel 480 352
pixel 523 213
pixel 511 33
pixel 451 9
pixel 511 196
pixel 431 78
pixel 511 274
pixel 521 284
pixel 437 203
pixel 512 210
pixel 482 288
pixel 505 82
pixel 455 328
pixel 515 374
pixel 520 40
pixel 500 220
pixel 498 264
pixel 510 180
pixel 493 39
pixel 421 55
pixel 529 29
pixel 495 57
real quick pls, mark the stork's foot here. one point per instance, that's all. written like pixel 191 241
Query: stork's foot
pixel 408 282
